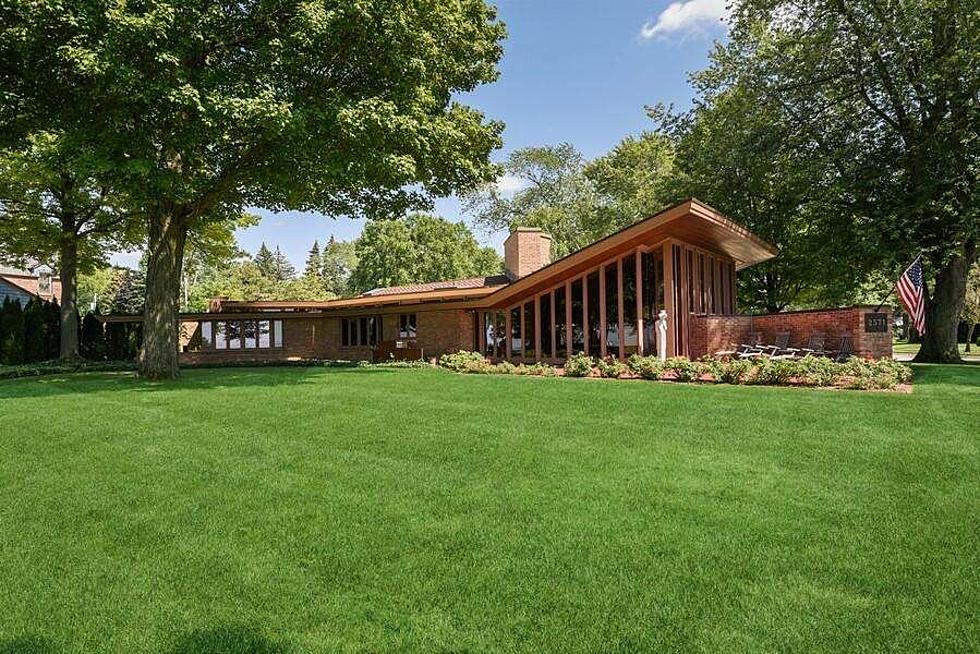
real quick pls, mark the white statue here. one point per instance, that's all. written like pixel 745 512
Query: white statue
pixel 662 335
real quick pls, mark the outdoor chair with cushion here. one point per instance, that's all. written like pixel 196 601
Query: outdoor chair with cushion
pixel 742 348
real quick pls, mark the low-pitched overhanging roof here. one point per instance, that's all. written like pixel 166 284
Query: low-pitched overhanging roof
pixel 691 221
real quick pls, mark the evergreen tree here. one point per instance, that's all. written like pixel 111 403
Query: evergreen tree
pixel 34 328
pixel 116 341
pixel 130 295
pixel 265 260
pixel 282 270
pixel 93 338
pixel 12 333
pixel 314 263
pixel 52 330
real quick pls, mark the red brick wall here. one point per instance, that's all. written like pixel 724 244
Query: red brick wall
pixel 713 333
pixel 710 334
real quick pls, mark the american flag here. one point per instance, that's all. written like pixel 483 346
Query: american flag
pixel 912 294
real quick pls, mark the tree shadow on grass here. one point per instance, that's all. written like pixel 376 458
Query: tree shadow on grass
pixel 191 380
pixel 30 644
pixel 943 374
pixel 229 640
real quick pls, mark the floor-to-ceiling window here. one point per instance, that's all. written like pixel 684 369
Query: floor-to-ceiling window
pixel 592 319
pixel 529 330
pixel 578 320
pixel 630 334
pixel 561 347
pixel 516 319
pixel 612 310
pixel 544 328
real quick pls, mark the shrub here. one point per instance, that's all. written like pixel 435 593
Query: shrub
pixel 683 368
pixel 505 368
pixel 735 371
pixel 578 365
pixel 773 372
pixel 818 371
pixel 464 361
pixel 535 370
pixel 882 374
pixel 649 367
pixel 610 367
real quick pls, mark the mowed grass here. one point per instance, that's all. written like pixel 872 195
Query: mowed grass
pixel 381 510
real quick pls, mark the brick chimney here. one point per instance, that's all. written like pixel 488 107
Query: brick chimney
pixel 526 249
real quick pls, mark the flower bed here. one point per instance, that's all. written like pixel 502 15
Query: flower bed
pixel 865 374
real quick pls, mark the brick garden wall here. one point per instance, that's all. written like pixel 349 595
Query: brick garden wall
pixel 710 334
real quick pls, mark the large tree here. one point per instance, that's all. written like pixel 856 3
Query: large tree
pixel 343 107
pixel 887 95
pixel 419 248
pixel 57 205
pixel 553 193
pixel 337 262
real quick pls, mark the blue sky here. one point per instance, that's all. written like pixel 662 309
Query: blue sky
pixel 579 71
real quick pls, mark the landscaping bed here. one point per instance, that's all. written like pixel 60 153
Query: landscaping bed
pixel 855 373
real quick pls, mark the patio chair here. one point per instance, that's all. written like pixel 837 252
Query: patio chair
pixel 742 348
pixel 814 347
pixel 844 350
pixel 775 351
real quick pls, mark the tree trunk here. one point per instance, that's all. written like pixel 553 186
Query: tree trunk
pixel 68 273
pixel 165 256
pixel 969 335
pixel 943 310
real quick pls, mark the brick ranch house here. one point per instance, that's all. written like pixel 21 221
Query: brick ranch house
pixel 602 300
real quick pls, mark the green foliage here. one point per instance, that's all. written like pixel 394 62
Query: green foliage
pixel 56 367
pixel 734 371
pixel 419 248
pixel 122 341
pixel 773 372
pixel 611 367
pixel 93 341
pixel 464 361
pixel 579 365
pixel 35 336
pixel 632 182
pixel 682 369
pixel 338 262
pixel 817 371
pixel 648 367
pixel 11 333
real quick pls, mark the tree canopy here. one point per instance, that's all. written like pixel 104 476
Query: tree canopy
pixel 206 108
pixel 884 100
pixel 419 248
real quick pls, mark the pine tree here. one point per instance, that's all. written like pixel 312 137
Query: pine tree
pixel 265 261
pixel 314 263
pixel 52 330
pixel 34 336
pixel 12 334
pixel 283 271
pixel 131 295
pixel 93 338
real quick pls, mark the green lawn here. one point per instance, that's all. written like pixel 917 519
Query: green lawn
pixel 383 510
pixel 904 347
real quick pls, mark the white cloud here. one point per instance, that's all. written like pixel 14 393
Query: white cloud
pixel 686 17
pixel 510 184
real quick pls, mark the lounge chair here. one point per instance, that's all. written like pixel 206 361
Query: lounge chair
pixel 814 348
pixel 843 351
pixel 742 348
pixel 777 350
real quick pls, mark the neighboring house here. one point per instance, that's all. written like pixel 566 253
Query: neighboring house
pixel 602 300
pixel 37 281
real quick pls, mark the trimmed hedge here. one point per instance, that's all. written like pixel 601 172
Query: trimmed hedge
pixel 808 371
